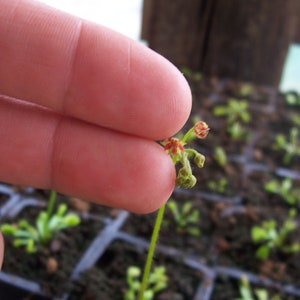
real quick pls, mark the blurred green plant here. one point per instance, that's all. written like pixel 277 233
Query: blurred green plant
pixel 284 189
pixel 218 186
pixel 157 281
pixel 220 156
pixel 292 98
pixel 270 237
pixel 189 74
pixel 258 294
pixel 185 217
pixel 290 145
pixel 295 119
pixel 236 113
pixel 246 89
pixel 47 224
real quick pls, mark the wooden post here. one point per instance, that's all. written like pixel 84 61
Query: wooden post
pixel 148 11
pixel 297 31
pixel 245 40
pixel 170 27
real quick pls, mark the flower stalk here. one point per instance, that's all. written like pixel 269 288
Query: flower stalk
pixel 184 179
pixel 151 250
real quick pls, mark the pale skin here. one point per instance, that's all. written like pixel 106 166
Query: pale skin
pixel 91 104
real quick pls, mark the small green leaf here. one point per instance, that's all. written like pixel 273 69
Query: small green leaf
pixel 263 252
pixel 193 231
pixel 186 208
pixel 133 272
pixel 258 234
pixel 261 294
pixel 8 229
pixel 71 220
pixel 62 208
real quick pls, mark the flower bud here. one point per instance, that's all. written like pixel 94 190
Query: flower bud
pixel 185 179
pixel 199 160
pixel 173 146
pixel 184 172
pixel 201 129
pixel 186 182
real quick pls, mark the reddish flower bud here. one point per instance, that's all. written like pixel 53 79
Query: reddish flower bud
pixel 201 130
pixel 173 146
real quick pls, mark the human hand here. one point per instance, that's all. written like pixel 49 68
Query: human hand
pixel 92 103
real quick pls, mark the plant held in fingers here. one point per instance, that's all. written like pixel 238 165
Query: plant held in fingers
pixel 158 281
pixel 186 218
pixel 269 236
pixel 181 157
pixel 48 223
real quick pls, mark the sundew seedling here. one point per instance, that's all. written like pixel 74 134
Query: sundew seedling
pixel 185 217
pixel 295 118
pixel 48 223
pixel 270 236
pixel 220 156
pixel 292 98
pixel 181 157
pixel 236 114
pixel 289 145
pixel 284 189
pixel 158 281
pixel 247 293
pixel 218 186
pixel 189 74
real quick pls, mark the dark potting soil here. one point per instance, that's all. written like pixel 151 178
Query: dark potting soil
pixel 107 279
pixel 51 267
pixel 226 288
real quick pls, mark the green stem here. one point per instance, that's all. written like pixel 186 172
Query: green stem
pixel 151 250
pixel 51 204
pixel 188 136
pixel 186 163
pixel 191 151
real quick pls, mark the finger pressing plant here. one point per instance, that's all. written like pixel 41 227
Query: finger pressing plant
pixel 289 145
pixel 157 281
pixel 285 189
pixel 236 114
pixel 48 224
pixel 270 236
pixel 247 293
pixel 186 218
pixel 182 158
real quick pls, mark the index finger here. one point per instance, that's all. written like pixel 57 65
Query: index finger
pixel 89 72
